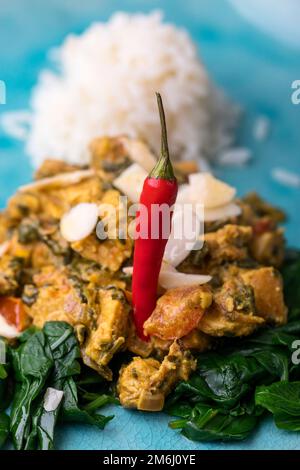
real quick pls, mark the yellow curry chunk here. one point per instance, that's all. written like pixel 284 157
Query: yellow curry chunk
pixel 268 293
pixel 145 383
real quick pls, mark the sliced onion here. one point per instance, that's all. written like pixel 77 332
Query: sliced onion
pixel 79 222
pixel 62 179
pixel 139 153
pixel 210 191
pixel 220 213
pixel 131 181
pixel 128 270
pixel 184 194
pixel 170 278
pixel 52 399
pixel 7 330
pixel 186 230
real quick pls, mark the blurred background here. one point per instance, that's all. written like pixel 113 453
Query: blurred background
pixel 251 49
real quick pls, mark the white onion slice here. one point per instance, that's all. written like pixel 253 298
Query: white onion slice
pixel 139 153
pixel 224 212
pixel 184 194
pixel 170 278
pixel 131 181
pixel 79 222
pixel 7 330
pixel 210 191
pixel 52 399
pixel 186 230
pixel 62 179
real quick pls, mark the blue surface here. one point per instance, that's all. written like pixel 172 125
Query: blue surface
pixel 254 70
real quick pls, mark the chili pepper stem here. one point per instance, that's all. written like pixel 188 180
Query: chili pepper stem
pixel 163 169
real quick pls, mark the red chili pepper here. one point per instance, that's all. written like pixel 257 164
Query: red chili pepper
pixel 160 187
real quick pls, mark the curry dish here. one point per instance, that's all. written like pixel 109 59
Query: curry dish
pixel 83 282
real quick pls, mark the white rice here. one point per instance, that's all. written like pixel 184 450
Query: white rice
pixel 238 156
pixel 261 128
pixel 286 177
pixel 105 86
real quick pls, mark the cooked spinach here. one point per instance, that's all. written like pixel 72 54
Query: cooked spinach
pixel 32 363
pixel 48 358
pixel 4 402
pixel 4 428
pixel 225 397
pixel 282 399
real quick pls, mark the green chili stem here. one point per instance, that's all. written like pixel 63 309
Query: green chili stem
pixel 163 169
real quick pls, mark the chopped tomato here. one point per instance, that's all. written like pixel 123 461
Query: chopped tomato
pixel 178 312
pixel 12 309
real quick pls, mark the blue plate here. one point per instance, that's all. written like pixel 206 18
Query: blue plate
pixel 254 70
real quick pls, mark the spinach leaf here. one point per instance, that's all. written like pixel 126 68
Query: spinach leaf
pixel 210 424
pixel 32 363
pixel 65 351
pixel 280 397
pixel 50 358
pixel 4 428
pixel 72 412
pixel 3 386
pixel 229 391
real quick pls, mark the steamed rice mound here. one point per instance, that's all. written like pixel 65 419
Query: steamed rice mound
pixel 105 85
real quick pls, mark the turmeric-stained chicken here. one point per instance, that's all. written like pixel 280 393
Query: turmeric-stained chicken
pixel 81 280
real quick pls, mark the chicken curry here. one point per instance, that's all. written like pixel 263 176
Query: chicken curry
pixel 82 282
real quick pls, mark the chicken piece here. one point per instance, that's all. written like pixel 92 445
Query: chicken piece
pixel 178 312
pixel 134 377
pixel 12 264
pixel 109 334
pixel 113 155
pixel 215 323
pixel 4 227
pixel 10 272
pixel 145 383
pixel 255 207
pixel 110 155
pixel 197 341
pixel 57 201
pixel 22 205
pixel 52 167
pixel 100 314
pixel 227 244
pixel 90 273
pixel 53 201
pixel 60 298
pixel 138 346
pixel 268 247
pixel 268 292
pixel 109 253
pixel 232 313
